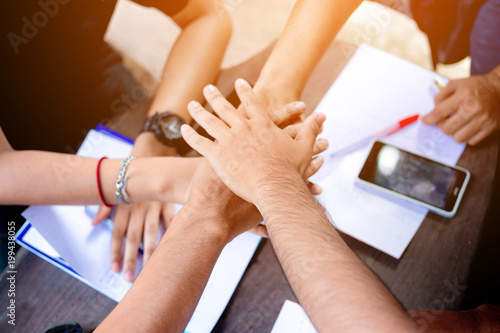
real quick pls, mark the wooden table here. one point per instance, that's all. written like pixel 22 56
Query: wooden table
pixel 431 274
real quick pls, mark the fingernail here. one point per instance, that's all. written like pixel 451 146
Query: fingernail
pixel 318 189
pixel 320 118
pixel 193 105
pixel 208 89
pixel 300 105
pixel 240 82
pixel 324 143
pixel 184 128
pixel 129 276
pixel 115 266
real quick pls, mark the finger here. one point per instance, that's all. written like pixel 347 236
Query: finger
pixel 102 214
pixel 465 133
pixel 213 125
pixel 249 100
pixel 132 241
pixel 314 166
pixel 311 128
pixel 320 146
pixel 151 227
pixel 290 113
pixel 480 136
pixel 446 92
pixel 451 125
pixel 292 130
pixel 221 106
pixel 168 212
pixel 314 188
pixel 199 143
pixel 120 223
pixel 260 230
pixel 441 111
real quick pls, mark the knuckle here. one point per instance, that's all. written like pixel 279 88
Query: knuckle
pixel 251 100
pixel 149 252
pixel 151 228
pixel 133 239
pixel 130 263
pixel 118 232
pixel 216 96
pixel 445 129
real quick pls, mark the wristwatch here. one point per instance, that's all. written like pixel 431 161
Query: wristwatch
pixel 166 127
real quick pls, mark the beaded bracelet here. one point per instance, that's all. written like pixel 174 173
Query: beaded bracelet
pixel 121 194
pixel 99 189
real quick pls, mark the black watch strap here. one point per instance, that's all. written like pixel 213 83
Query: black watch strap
pixel 170 137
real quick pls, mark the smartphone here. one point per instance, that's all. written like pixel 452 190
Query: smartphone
pixel 399 173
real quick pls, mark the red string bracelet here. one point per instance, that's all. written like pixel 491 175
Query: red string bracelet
pixel 99 189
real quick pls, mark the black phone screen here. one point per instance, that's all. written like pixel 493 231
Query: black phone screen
pixel 412 175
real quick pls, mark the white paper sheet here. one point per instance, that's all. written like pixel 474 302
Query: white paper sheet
pixel 293 319
pixel 374 91
pixel 86 248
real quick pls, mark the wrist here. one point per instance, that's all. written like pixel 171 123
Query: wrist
pixel 493 78
pixel 277 186
pixel 194 218
pixel 276 90
pixel 147 145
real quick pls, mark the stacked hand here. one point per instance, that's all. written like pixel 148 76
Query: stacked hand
pixel 250 150
pixel 141 221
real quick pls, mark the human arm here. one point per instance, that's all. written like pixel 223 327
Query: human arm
pixel 308 33
pixel 468 109
pixel 44 178
pixel 205 26
pixel 338 292
pixel 167 290
pixel 193 62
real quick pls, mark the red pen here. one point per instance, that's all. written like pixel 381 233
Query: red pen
pixel 385 132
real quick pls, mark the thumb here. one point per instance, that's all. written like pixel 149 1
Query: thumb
pixel 312 126
pixel 103 213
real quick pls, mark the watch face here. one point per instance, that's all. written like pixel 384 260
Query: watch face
pixel 171 127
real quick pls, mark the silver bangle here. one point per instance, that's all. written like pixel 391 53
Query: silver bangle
pixel 121 194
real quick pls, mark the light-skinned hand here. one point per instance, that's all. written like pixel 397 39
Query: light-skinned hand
pixel 250 149
pixel 133 224
pixel 468 109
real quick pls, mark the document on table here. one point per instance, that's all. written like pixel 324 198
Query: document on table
pixel 374 91
pixel 293 319
pixel 69 232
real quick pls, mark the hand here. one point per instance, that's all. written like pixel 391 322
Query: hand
pixel 140 221
pixel 134 223
pixel 249 149
pixel 280 107
pixel 468 109
pixel 287 115
pixel 208 193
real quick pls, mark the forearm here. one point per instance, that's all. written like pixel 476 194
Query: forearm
pixel 42 178
pixel 345 295
pixel 193 62
pixel 310 29
pixel 168 289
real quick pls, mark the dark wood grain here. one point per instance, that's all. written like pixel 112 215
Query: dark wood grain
pixel 431 274
pixel 47 296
